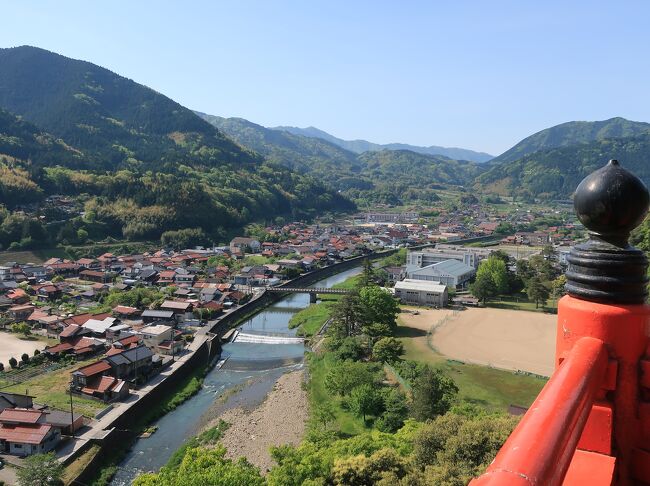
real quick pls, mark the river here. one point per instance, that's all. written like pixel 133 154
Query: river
pixel 249 373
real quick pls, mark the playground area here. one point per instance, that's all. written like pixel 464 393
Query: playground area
pixel 501 338
pixel 13 346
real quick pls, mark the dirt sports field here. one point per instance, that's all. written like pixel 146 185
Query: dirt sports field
pixel 12 346
pixel 507 339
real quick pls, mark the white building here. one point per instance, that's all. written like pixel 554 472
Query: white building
pixel 155 334
pixel 421 292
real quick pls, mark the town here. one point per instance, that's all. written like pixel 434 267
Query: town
pixel 116 323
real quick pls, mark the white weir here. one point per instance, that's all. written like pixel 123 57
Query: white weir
pixel 243 337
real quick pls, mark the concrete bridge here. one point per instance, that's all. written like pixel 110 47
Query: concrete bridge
pixel 313 291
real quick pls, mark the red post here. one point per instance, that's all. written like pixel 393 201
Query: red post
pixel 607 284
pixel 540 449
pixel 623 330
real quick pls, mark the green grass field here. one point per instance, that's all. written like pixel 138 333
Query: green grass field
pixel 52 389
pixel 490 388
pixel 522 302
pixel 310 319
pixel 31 256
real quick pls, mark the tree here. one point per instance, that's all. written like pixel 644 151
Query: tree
pixel 483 288
pixel 395 411
pixel 495 267
pixel 323 415
pixel 454 448
pixel 201 466
pixel 40 470
pixel 183 238
pixel 387 350
pixel 344 376
pixel 537 291
pixel 346 316
pixel 376 331
pixel 505 229
pixel 383 467
pixel 365 400
pixel 82 235
pixel 21 328
pixel 378 306
pixel 13 362
pixel 367 277
pixel 347 348
pixel 433 394
pixel 543 268
pixel 25 358
pixel 558 287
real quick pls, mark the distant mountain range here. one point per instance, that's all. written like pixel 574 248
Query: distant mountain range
pixel 385 176
pixel 143 163
pixel 548 164
pixel 360 146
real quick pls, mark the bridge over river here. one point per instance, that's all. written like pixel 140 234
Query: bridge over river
pixel 312 291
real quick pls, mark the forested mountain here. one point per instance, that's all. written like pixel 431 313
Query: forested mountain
pixel 135 162
pixel 322 159
pixel 403 175
pixel 573 133
pixel 123 124
pixel 360 146
pixel 386 176
pixel 557 172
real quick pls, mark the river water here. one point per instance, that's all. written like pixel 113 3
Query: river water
pixel 249 373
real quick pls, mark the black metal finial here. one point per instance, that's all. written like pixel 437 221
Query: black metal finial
pixel 610 202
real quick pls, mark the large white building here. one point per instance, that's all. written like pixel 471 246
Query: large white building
pixel 451 273
pixel 421 292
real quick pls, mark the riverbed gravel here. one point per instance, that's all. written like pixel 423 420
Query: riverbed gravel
pixel 279 420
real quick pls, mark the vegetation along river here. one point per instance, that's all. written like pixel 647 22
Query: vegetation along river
pixel 249 373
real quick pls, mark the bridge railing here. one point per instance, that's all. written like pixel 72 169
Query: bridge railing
pixel 539 451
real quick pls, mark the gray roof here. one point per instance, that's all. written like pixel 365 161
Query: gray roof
pixel 158 313
pixel 118 359
pixel 453 267
pixel 137 354
pixel 59 418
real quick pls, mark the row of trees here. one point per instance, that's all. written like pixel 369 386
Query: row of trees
pixel 538 277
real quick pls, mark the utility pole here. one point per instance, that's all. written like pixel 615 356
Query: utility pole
pixel 71 414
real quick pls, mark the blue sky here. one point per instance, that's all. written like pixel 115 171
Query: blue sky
pixel 473 74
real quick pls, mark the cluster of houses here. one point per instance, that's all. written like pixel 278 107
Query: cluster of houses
pixel 28 428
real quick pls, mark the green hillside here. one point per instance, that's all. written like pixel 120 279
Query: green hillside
pixel 556 173
pixel 122 124
pixel 134 162
pixel 386 176
pixel 322 159
pixel 573 133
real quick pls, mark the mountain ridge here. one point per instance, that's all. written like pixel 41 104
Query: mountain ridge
pixel 572 133
pixel 359 146
pixel 137 161
pixel 385 176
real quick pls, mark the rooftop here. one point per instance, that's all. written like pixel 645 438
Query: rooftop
pixel 422 285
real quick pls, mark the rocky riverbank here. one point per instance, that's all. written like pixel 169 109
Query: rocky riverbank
pixel 279 420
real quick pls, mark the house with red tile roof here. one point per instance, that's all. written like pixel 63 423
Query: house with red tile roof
pixel 25 431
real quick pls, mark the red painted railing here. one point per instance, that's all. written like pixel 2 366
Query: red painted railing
pixel 590 425
pixel 540 449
